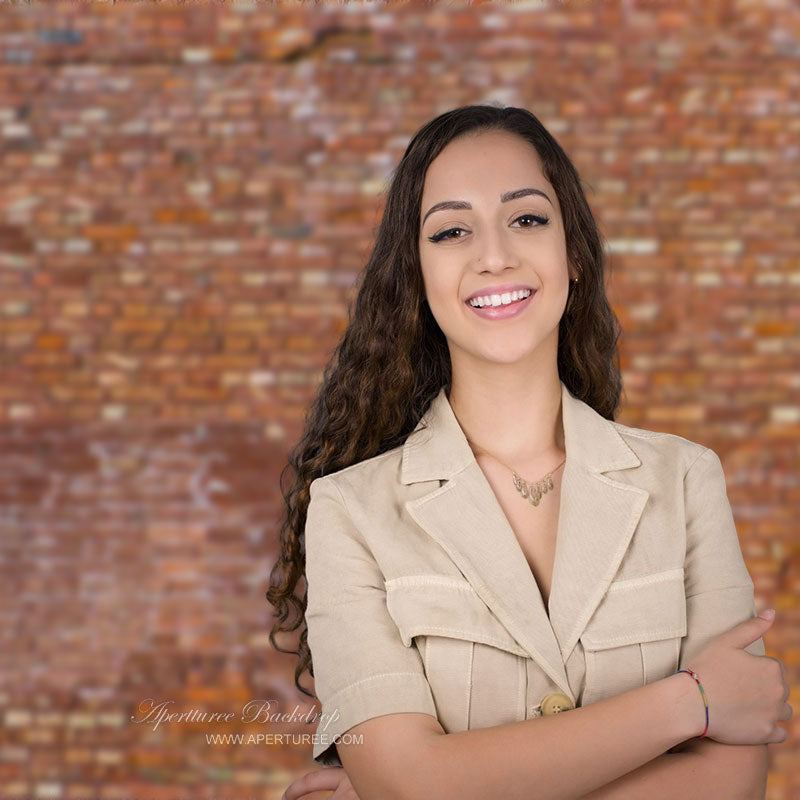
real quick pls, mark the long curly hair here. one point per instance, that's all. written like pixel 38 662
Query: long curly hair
pixel 392 359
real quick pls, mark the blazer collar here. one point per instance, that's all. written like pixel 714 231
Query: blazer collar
pixel 597 517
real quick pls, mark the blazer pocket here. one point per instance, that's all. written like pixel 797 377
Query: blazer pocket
pixel 634 636
pixel 475 668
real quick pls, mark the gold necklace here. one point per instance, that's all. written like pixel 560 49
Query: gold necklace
pixel 530 491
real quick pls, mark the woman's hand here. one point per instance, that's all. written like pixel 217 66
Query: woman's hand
pixel 747 694
pixel 320 780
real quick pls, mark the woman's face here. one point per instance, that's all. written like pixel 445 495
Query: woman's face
pixel 493 243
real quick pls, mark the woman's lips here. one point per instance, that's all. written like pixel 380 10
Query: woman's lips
pixel 503 312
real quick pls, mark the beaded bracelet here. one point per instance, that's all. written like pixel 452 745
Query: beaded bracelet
pixel 694 675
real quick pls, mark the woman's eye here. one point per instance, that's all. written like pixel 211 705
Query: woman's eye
pixel 542 220
pixel 539 219
pixel 444 235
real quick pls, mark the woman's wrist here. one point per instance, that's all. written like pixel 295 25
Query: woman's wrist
pixel 686 700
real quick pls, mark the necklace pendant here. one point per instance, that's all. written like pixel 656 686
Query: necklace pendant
pixel 533 491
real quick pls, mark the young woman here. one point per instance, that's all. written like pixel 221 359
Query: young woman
pixel 502 581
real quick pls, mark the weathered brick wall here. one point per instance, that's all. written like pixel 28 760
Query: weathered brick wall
pixel 187 193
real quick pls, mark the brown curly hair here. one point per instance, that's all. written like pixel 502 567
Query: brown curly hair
pixel 393 358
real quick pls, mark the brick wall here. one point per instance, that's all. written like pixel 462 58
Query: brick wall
pixel 187 193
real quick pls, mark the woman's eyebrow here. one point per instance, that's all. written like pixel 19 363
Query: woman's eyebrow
pixel 461 205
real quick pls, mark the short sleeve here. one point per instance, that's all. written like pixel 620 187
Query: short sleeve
pixel 362 669
pixel 719 589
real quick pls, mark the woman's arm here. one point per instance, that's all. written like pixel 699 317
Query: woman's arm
pixel 702 769
pixel 567 755
pixel 727 772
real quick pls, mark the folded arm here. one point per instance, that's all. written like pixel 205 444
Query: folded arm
pixel 699 769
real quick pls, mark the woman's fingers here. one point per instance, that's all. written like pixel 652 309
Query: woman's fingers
pixel 780 735
pixel 779 663
pixel 345 791
pixel 319 780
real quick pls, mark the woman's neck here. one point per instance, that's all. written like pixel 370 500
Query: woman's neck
pixel 519 423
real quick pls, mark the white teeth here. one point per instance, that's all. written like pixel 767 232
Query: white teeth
pixel 499 299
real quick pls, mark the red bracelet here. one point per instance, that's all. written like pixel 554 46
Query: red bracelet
pixel 696 677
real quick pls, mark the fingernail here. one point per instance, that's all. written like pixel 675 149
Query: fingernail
pixel 768 613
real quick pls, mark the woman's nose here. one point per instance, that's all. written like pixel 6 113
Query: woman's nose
pixel 494 251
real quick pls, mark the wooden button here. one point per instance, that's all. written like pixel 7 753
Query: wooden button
pixel 556 703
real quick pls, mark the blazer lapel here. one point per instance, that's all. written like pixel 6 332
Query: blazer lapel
pixel 597 518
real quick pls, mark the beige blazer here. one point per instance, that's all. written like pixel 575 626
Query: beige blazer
pixel 421 599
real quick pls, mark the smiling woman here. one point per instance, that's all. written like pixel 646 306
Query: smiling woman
pixel 503 632
pixel 507 240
